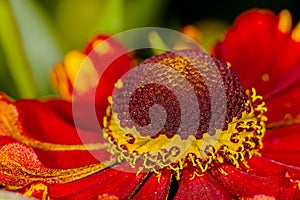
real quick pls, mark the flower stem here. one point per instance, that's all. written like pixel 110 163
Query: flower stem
pixel 15 55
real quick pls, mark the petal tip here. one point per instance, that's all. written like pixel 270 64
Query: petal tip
pixel 296 33
pixel 285 21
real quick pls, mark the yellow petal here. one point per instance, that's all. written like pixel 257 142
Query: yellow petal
pixel 81 69
pixel 296 33
pixel 285 21
pixel 61 82
pixel 104 48
pixel 72 63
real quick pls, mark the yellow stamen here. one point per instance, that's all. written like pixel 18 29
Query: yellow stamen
pixel 228 64
pixel 107 197
pixel 242 138
pixel 119 84
pixel 265 77
pixel 288 120
pixel 298 184
pixel 38 187
pixel 222 171
pixel 296 33
pixel 195 174
pixel 285 21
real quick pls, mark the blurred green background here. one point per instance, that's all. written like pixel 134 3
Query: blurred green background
pixel 35 34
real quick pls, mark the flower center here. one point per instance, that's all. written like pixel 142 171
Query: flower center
pixel 183 108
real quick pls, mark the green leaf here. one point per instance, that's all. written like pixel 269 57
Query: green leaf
pixel 111 20
pixel 76 19
pixel 6 82
pixel 40 41
pixel 140 13
pixel 14 53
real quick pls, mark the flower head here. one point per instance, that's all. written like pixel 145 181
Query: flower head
pixel 175 146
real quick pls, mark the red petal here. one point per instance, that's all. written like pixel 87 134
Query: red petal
pixel 281 133
pixel 204 187
pixel 6 140
pixel 282 144
pixel 88 78
pixel 43 122
pixel 70 159
pixel 283 106
pixel 265 167
pixel 91 45
pixel 154 188
pixel 19 165
pixel 258 51
pixel 113 182
pixel 241 183
pixel 111 64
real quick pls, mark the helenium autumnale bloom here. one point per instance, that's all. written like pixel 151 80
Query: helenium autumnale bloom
pixel 254 157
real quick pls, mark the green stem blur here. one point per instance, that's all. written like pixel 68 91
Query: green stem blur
pixel 16 60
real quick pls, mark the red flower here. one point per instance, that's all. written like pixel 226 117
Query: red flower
pixel 42 155
pixel 267 46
